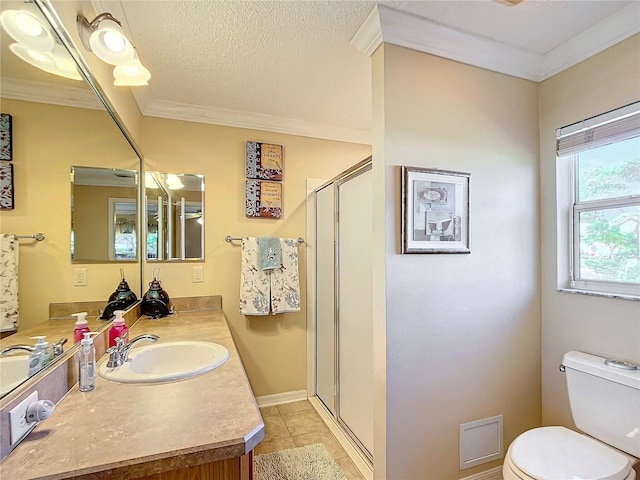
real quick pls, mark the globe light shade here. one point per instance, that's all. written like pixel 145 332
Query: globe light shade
pixel 56 62
pixel 110 44
pixel 27 29
pixel 131 74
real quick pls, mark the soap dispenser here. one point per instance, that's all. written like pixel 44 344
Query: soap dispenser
pixel 118 328
pixel 82 326
pixel 87 363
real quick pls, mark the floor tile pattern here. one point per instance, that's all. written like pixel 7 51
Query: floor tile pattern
pixel 298 424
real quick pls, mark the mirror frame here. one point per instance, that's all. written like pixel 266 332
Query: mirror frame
pixel 49 12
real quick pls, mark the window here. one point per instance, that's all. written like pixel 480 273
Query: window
pixel 603 154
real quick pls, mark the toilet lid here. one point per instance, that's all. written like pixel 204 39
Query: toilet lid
pixel 552 453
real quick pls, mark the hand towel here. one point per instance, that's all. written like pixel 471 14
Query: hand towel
pixel 269 253
pixel 254 283
pixel 285 281
pixel 8 282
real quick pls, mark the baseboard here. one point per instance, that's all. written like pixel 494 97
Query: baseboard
pixel 492 474
pixel 280 398
pixel 356 457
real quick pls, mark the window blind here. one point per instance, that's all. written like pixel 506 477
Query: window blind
pixel 611 127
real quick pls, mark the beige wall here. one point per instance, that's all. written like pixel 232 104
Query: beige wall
pixel 462 331
pixel 601 326
pixel 273 348
pixel 47 141
pixel 91 219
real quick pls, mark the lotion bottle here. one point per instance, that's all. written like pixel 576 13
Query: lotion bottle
pixel 82 326
pixel 87 363
pixel 118 328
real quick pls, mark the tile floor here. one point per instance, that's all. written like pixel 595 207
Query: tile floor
pixel 298 424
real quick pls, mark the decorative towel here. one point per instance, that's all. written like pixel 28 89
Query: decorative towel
pixel 8 282
pixel 285 281
pixel 277 289
pixel 254 283
pixel 269 253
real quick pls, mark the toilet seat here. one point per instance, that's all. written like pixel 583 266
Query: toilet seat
pixel 553 453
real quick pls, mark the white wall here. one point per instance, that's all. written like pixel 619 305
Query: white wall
pixel 462 331
pixel 601 326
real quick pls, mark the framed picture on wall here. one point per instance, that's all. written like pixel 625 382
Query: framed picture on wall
pixel 6 132
pixel 6 186
pixel 264 161
pixel 263 199
pixel 435 211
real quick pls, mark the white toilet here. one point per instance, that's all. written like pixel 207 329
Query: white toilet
pixel 605 404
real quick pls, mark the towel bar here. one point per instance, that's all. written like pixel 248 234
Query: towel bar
pixel 38 236
pixel 229 239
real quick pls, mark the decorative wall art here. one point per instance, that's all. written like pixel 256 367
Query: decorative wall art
pixel 264 161
pixel 6 186
pixel 6 148
pixel 263 199
pixel 435 211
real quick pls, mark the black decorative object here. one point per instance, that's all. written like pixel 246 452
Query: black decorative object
pixel 155 303
pixel 122 298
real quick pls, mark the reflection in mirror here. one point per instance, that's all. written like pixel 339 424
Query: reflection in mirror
pixel 58 121
pixel 103 214
pixel 175 216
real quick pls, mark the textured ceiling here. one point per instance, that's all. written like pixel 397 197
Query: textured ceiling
pixel 294 60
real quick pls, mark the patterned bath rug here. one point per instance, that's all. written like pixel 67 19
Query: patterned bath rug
pixel 313 462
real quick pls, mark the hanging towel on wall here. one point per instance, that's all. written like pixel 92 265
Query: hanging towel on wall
pixel 254 283
pixel 285 281
pixel 269 253
pixel 8 282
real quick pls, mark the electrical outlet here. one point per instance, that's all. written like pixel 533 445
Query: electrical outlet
pixel 18 419
pixel 80 277
pixel 196 275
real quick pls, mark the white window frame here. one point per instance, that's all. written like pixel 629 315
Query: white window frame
pixel 573 284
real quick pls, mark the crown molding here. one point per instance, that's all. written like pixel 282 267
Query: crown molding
pixel 418 33
pixel 606 33
pixel 46 93
pixel 369 36
pixel 249 120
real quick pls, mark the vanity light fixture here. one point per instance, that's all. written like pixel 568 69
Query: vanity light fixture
pixel 36 43
pixel 104 37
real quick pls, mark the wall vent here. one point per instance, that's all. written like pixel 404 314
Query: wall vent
pixel 480 441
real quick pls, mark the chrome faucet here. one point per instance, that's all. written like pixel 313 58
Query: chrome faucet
pixel 120 352
pixel 58 347
pixel 26 348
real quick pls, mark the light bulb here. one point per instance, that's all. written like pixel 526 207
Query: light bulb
pixel 114 41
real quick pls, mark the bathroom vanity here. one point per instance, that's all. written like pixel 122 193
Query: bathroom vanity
pixel 205 426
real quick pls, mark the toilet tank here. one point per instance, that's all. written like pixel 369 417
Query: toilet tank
pixel 605 400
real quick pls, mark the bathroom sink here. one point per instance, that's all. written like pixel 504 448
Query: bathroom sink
pixel 14 370
pixel 165 362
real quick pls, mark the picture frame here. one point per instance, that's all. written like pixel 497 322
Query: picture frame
pixel 435 211
pixel 264 161
pixel 263 199
pixel 6 186
pixel 6 137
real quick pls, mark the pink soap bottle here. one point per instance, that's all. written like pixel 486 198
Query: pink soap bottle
pixel 82 326
pixel 118 329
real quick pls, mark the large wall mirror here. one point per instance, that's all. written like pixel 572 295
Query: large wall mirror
pixel 174 206
pixel 58 124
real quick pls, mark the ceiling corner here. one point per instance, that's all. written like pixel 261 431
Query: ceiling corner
pixel 369 36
